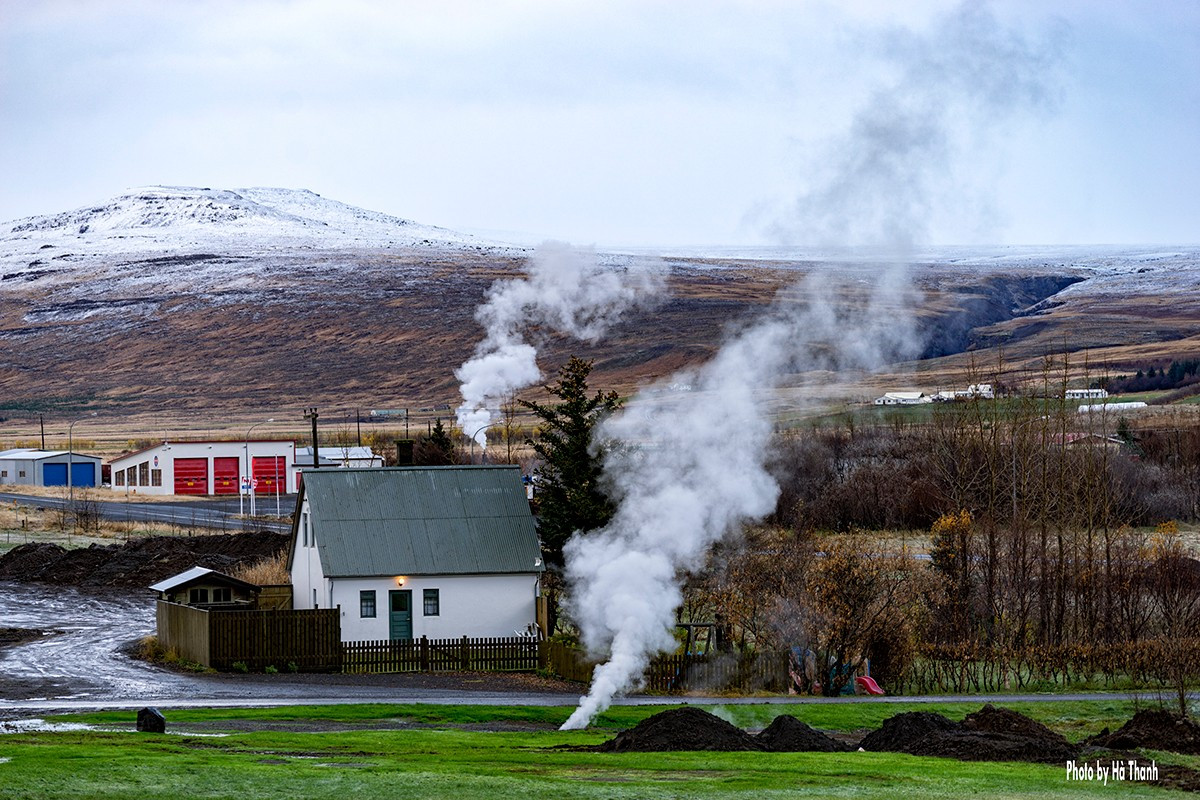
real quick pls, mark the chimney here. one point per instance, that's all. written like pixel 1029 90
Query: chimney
pixel 404 452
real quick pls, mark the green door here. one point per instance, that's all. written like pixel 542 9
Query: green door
pixel 400 618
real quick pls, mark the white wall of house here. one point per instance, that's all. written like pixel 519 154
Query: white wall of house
pixel 153 469
pixel 309 587
pixel 467 605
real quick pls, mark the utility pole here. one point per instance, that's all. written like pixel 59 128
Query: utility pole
pixel 358 420
pixel 42 424
pixel 312 415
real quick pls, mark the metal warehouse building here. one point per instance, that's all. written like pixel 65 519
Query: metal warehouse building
pixel 207 467
pixel 28 467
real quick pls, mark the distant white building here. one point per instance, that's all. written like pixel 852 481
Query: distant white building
pixel 333 458
pixel 1087 394
pixel 903 399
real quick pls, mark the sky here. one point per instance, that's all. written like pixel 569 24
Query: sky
pixel 617 122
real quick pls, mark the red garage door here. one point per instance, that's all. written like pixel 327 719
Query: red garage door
pixel 191 476
pixel 269 470
pixel 225 475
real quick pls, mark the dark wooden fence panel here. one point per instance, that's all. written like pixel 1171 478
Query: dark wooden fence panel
pixel 308 639
pixel 516 654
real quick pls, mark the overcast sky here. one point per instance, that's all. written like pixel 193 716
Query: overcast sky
pixel 613 122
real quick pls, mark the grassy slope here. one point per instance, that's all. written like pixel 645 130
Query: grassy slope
pixel 465 764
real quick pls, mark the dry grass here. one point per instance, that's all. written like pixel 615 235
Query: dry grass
pixel 267 572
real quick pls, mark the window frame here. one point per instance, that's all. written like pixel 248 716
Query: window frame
pixel 428 595
pixel 365 595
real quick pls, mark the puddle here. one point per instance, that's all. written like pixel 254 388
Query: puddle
pixel 41 726
pixel 4 760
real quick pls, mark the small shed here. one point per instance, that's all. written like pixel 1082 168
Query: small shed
pixel 202 587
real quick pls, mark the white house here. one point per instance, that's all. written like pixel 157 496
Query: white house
pixel 206 467
pixel 406 552
pixel 29 467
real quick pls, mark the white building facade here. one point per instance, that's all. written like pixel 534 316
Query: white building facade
pixel 217 467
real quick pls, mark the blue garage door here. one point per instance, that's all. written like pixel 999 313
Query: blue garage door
pixel 83 473
pixel 54 475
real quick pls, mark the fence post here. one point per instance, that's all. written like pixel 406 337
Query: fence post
pixel 464 660
pixel 424 654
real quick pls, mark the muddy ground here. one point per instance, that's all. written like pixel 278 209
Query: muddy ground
pixel 138 563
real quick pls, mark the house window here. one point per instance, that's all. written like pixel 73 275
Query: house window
pixel 156 477
pixel 3 473
pixel 119 478
pixel 21 473
pixel 222 594
pixel 432 603
pixel 366 603
pixel 198 596
pixel 132 473
pixel 144 473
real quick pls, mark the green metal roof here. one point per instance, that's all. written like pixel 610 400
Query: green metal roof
pixel 422 521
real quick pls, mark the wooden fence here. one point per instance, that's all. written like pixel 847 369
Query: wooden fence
pixel 307 639
pixel 515 654
pixel 681 673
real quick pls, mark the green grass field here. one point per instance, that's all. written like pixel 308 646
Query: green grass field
pixel 442 751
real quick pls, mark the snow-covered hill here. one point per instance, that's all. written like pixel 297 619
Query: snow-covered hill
pixel 174 220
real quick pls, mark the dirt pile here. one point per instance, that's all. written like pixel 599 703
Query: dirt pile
pixel 138 563
pixel 990 734
pixel 786 734
pixel 904 730
pixel 1153 729
pixel 681 729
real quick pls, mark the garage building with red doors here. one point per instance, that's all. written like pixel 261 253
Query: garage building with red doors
pixel 207 468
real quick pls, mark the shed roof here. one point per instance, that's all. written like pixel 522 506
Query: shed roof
pixel 31 454
pixel 196 574
pixel 422 521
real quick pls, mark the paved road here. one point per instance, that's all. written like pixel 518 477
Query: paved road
pixel 209 513
pixel 79 666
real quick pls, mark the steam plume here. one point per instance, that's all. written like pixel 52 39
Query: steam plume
pixel 693 471
pixel 565 290
pixel 690 469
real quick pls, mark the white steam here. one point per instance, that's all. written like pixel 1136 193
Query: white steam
pixel 692 470
pixel 566 291
pixel 688 469
pixel 923 147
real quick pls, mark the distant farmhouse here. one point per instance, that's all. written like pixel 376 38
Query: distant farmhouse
pixel 406 552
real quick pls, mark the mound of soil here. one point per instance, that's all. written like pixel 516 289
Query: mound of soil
pixel 990 719
pixel 989 734
pixel 969 745
pixel 902 731
pixel 137 563
pixel 1153 729
pixel 786 734
pixel 681 729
